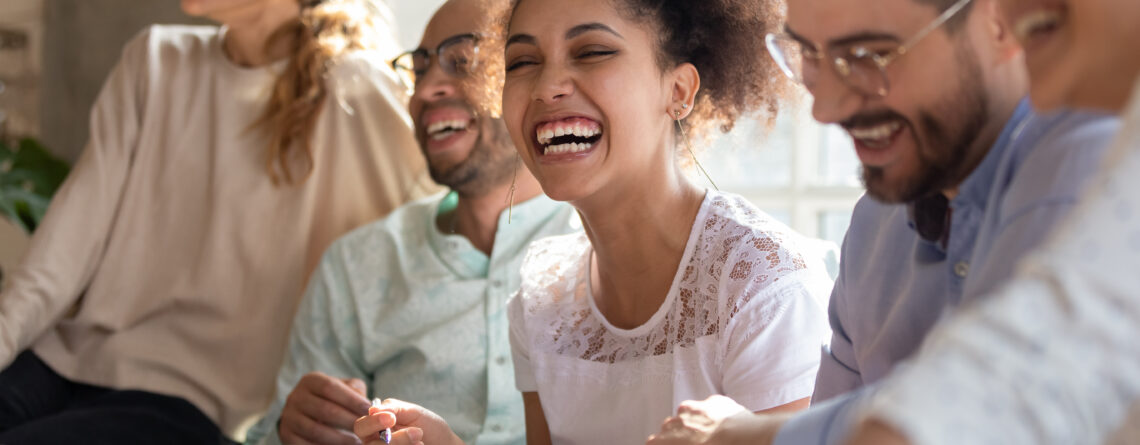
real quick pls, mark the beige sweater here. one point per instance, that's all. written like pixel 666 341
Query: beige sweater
pixel 168 262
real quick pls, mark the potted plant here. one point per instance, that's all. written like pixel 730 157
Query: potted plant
pixel 29 176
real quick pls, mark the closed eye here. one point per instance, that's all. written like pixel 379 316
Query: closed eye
pixel 596 53
pixel 519 64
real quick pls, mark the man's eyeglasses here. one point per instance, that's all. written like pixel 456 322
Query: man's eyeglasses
pixel 862 66
pixel 456 56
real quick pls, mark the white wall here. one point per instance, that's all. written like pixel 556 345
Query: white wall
pixel 412 17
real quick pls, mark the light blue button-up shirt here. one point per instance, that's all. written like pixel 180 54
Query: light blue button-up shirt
pixel 420 316
pixel 894 285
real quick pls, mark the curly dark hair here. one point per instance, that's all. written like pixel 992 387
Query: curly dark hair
pixel 723 39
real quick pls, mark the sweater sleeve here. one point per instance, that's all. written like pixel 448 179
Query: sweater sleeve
pixel 67 248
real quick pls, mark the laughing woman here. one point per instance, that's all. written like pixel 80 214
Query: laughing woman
pixel 673 292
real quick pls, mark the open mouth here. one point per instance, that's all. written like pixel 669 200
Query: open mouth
pixel 567 136
pixel 441 130
pixel 877 136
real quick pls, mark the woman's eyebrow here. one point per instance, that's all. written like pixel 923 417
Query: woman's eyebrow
pixel 587 27
pixel 521 38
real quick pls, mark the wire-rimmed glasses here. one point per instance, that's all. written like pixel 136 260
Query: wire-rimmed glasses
pixel 456 56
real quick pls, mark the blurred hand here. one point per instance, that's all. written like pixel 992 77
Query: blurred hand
pixel 717 420
pixel 411 424
pixel 322 409
pixel 876 433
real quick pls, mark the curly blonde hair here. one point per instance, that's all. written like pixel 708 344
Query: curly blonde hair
pixel 723 39
pixel 324 31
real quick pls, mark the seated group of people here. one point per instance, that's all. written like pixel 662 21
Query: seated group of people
pixel 255 203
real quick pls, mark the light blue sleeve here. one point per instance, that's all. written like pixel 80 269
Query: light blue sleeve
pixel 325 337
pixel 825 423
pixel 838 369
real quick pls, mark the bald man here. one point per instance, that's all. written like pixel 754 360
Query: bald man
pixel 412 306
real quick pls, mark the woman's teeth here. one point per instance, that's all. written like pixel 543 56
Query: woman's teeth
pixel 442 129
pixel 547 133
pixel 1041 21
pixel 566 148
pixel 574 135
pixel 876 136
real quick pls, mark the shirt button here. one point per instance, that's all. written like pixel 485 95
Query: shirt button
pixel 497 428
pixel 962 269
pixel 496 283
pixel 501 360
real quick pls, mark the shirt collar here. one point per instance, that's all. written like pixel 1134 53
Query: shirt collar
pixel 516 224
pixel 976 188
pixel 930 216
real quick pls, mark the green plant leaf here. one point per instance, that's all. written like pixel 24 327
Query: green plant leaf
pixel 29 176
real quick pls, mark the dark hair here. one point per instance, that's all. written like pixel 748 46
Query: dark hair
pixel 325 30
pixel 723 39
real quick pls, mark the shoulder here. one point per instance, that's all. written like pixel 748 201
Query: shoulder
pixel 1059 153
pixel 363 73
pixel 750 247
pixel 873 223
pixel 554 254
pixel 169 42
pixel 366 247
pixel 550 266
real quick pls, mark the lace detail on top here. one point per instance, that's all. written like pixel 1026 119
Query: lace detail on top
pixel 735 254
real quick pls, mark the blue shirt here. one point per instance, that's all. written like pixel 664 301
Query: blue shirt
pixel 895 284
pixel 420 316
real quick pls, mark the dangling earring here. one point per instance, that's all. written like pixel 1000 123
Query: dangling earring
pixel 689 145
pixel 511 192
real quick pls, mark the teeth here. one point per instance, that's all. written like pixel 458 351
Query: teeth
pixel 442 135
pixel 566 148
pixel 545 135
pixel 1034 22
pixel 442 125
pixel 875 133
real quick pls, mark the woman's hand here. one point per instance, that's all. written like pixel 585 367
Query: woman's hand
pixel 717 420
pixel 411 424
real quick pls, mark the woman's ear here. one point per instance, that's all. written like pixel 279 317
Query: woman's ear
pixel 686 82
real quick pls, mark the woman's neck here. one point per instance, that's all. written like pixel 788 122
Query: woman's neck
pixel 639 232
pixel 248 32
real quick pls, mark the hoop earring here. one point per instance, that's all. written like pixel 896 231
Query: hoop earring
pixel 689 146
pixel 511 192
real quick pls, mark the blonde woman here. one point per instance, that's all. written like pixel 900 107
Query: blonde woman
pixel 155 299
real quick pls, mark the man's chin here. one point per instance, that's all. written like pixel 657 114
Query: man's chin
pixel 894 190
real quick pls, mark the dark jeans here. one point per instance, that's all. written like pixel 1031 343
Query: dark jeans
pixel 38 406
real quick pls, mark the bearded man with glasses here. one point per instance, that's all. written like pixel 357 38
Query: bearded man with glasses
pixel 962 179
pixel 414 306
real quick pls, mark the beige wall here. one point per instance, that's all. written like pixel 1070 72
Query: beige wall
pixel 82 41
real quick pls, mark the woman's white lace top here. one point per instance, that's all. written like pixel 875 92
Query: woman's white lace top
pixel 743 318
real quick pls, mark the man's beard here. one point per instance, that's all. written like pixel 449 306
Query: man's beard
pixel 490 163
pixel 945 142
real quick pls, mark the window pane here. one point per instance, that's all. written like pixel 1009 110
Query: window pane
pixel 838 164
pixel 751 158
pixel 833 225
